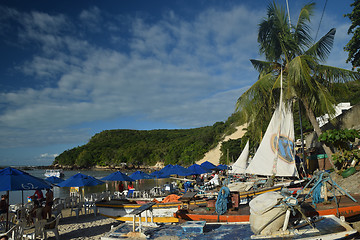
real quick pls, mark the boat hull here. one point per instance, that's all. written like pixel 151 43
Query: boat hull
pixel 120 209
pixel 347 208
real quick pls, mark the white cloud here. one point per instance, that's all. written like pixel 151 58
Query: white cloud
pixel 184 73
pixel 49 155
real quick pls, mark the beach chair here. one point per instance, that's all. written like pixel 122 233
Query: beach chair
pixel 52 226
pixel 16 232
pixel 77 208
pixel 38 230
pixel 88 206
pixel 57 209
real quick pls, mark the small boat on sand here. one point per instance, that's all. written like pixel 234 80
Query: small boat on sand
pixel 345 207
pixel 163 211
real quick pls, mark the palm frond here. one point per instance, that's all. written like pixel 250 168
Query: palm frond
pixel 322 48
pixel 272 31
pixel 337 75
pixel 262 66
pixel 302 29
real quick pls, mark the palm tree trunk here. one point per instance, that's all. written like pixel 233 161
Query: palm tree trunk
pixel 318 131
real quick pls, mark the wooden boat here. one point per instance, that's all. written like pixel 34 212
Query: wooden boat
pixel 120 209
pixel 346 207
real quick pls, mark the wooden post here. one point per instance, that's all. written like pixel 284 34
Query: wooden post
pixel 134 222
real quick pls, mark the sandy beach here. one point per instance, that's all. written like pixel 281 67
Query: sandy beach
pixel 87 226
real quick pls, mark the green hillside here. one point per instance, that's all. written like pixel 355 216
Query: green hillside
pixel 142 147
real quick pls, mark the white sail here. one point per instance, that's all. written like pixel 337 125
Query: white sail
pixel 239 166
pixel 276 155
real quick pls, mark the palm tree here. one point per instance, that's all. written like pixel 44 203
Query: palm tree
pixel 292 50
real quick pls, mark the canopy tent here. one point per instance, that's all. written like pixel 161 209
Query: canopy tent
pixel 140 175
pixel 117 176
pixel 197 169
pixel 208 165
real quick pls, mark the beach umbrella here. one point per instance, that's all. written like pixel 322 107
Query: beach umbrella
pixel 208 165
pixel 157 174
pixel 54 180
pixel 175 170
pixel 80 180
pixel 117 176
pixel 140 175
pixel 222 167
pixel 12 179
pixel 197 169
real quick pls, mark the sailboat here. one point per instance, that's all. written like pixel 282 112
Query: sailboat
pixel 276 153
pixel 240 165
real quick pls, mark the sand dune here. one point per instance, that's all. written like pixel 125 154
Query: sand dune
pixel 213 155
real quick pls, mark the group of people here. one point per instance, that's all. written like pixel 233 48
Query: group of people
pixel 130 188
pixel 42 205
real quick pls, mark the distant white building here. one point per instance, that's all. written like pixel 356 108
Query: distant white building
pixel 338 111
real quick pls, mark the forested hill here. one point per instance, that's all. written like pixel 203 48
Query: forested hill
pixel 145 147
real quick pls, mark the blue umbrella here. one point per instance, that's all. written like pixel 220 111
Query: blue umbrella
pixel 54 180
pixel 197 169
pixel 222 167
pixel 175 170
pixel 117 176
pixel 157 174
pixel 140 175
pixel 80 180
pixel 208 165
pixel 12 179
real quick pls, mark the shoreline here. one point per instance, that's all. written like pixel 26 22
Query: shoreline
pixel 96 168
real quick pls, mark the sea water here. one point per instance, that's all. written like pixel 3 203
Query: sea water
pixel 144 184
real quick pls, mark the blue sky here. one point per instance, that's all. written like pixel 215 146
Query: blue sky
pixel 70 69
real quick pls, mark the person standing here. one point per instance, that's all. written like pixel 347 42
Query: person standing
pixel 49 201
pixel 38 195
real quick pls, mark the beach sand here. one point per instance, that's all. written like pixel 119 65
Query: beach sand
pixel 87 226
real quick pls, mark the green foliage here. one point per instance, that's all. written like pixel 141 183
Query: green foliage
pixel 113 147
pixel 341 139
pixel 234 148
pixel 353 46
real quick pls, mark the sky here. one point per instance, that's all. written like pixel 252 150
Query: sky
pixel 71 69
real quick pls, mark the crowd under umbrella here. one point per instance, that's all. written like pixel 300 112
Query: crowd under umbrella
pixel 208 165
pixel 140 175
pixel 196 169
pixel 12 179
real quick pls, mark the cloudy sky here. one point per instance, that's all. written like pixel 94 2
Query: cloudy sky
pixel 70 69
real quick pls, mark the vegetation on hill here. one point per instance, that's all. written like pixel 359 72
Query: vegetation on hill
pixel 141 147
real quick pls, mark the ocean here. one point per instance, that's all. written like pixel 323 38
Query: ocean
pixel 18 196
